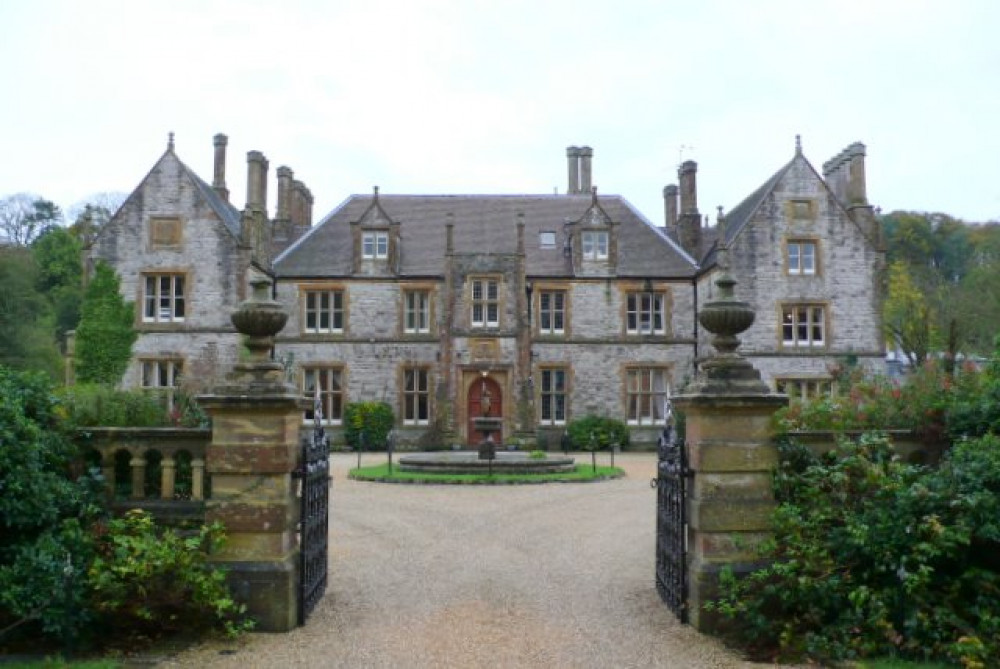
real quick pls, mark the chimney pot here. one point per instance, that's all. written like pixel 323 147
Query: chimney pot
pixel 586 154
pixel 670 205
pixel 686 174
pixel 573 162
pixel 219 179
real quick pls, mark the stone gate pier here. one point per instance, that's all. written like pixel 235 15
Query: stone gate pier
pixel 731 454
pixel 252 456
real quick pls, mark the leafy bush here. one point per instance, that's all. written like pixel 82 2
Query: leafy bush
pixel 537 455
pixel 871 557
pixel 374 419
pixel 930 401
pixel 43 512
pixel 93 405
pixel 64 573
pixel 146 581
pixel 597 432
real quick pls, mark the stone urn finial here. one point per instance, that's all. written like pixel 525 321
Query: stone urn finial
pixel 259 318
pixel 726 316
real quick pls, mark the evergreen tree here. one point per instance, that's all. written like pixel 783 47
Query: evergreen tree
pixel 105 335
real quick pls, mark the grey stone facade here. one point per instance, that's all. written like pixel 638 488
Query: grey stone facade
pixel 564 305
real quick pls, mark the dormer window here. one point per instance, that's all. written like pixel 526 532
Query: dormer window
pixel 375 245
pixel 595 245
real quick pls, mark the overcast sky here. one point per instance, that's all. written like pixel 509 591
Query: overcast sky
pixel 466 96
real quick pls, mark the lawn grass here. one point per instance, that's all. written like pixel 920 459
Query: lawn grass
pixel 893 663
pixel 380 473
pixel 58 663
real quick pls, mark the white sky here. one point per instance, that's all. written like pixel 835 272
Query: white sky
pixel 476 96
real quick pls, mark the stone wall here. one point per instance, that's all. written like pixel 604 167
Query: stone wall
pixel 846 281
pixel 205 252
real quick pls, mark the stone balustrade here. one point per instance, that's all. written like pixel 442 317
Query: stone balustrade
pixel 161 469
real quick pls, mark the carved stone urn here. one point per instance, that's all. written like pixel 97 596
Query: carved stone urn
pixel 259 318
pixel 727 372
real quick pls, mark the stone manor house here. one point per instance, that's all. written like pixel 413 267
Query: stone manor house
pixel 534 308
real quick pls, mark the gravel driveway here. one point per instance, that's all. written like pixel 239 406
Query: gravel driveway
pixel 557 575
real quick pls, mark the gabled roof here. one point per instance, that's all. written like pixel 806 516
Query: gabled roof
pixel 740 216
pixel 484 224
pixel 227 213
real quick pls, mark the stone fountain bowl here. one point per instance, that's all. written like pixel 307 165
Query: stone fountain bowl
pixel 466 462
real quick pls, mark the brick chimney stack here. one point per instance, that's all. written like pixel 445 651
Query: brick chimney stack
pixel 586 154
pixel 670 206
pixel 686 174
pixel 573 161
pixel 257 181
pixel 857 189
pixel 689 221
pixel 219 180
pixel 285 178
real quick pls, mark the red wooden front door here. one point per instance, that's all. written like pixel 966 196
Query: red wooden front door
pixel 485 399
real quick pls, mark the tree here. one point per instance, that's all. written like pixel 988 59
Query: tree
pixel 26 340
pixel 907 315
pixel 23 217
pixel 92 214
pixel 57 254
pixel 105 335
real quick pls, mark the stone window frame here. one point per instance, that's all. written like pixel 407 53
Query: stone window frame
pixel 552 289
pixel 595 252
pixel 414 399
pixel 565 393
pixel 332 289
pixel 157 320
pixel 657 289
pixel 485 323
pixel 172 366
pixel 789 242
pixel 406 290
pixel 154 222
pixel 810 342
pixel 334 399
pixel 654 415
pixel 377 238
pixel 804 386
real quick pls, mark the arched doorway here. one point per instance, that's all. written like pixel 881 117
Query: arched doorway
pixel 485 399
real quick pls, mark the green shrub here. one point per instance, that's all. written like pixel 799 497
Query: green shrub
pixel 597 432
pixel 98 405
pixel 43 512
pixel 874 557
pixel 374 419
pixel 106 333
pixel 146 581
pixel 537 455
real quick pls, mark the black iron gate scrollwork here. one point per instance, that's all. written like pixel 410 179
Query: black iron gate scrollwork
pixel 314 473
pixel 671 519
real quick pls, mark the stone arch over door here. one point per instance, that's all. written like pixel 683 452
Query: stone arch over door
pixel 485 398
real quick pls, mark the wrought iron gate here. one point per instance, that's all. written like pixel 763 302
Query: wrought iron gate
pixel 314 473
pixel 671 522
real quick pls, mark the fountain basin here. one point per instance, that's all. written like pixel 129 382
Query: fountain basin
pixel 469 463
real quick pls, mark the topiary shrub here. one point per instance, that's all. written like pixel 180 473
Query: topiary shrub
pixel 374 419
pixel 597 433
